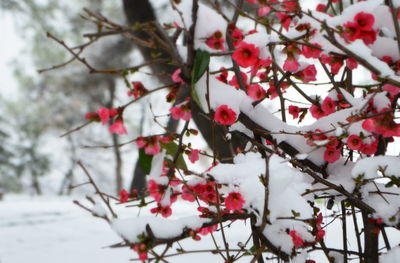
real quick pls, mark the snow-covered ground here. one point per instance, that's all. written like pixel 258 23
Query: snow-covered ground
pixel 53 229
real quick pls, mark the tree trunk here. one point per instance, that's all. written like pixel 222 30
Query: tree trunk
pixel 371 241
pixel 141 11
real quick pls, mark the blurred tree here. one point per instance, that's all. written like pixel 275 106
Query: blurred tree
pixel 70 87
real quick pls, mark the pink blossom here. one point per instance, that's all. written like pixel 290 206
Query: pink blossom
pixel 316 112
pixel 331 155
pixel 104 115
pixel 320 8
pixel 118 127
pixel 308 74
pixel 256 92
pixel 351 63
pixel 382 124
pixel 188 194
pixel 364 21
pixel 296 239
pixel 216 41
pixel 141 249
pixel 328 105
pixel 393 90
pixel 234 201
pixel 354 142
pixel 369 148
pixel 246 55
pixel 123 196
pixel 138 89
pixel 165 211
pixel 207 230
pixel 263 10
pixel 150 144
pixel 294 111
pixel 181 112
pixel 194 155
pixel 311 51
pixel 156 190
pixel 291 64
pixel 176 76
pixel 234 81
pixel 351 31
pixel 285 20
pixel 225 115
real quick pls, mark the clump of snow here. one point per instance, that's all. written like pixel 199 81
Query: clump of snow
pixel 391 256
pixel 369 167
pixel 131 228
pixel 157 165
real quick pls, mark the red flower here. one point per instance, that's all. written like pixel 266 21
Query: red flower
pixel 331 155
pixel 246 55
pixel 234 201
pixel 291 64
pixel 351 63
pixel 165 211
pixel 328 106
pixel 311 51
pixel 316 112
pixel 285 20
pixel 118 127
pixel 255 91
pixel 216 41
pixel 368 37
pixel 150 144
pixel 194 155
pixel 188 193
pixel 383 125
pixel 369 148
pixel 223 77
pixel 320 235
pixel 354 142
pixel 207 230
pixel 225 115
pixel 263 10
pixel 234 81
pixel 273 93
pixel 141 249
pixel 294 111
pixel 351 31
pixel 176 77
pixel 320 8
pixel 123 196
pixel 104 115
pixel 181 111
pixel 92 116
pixel 296 239
pixel 308 74
pixel 393 90
pixel 364 21
pixel 138 89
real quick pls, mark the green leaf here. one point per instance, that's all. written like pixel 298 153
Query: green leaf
pixel 295 214
pixel 145 161
pixel 201 62
pixel 200 66
pixel 195 96
pixel 171 148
